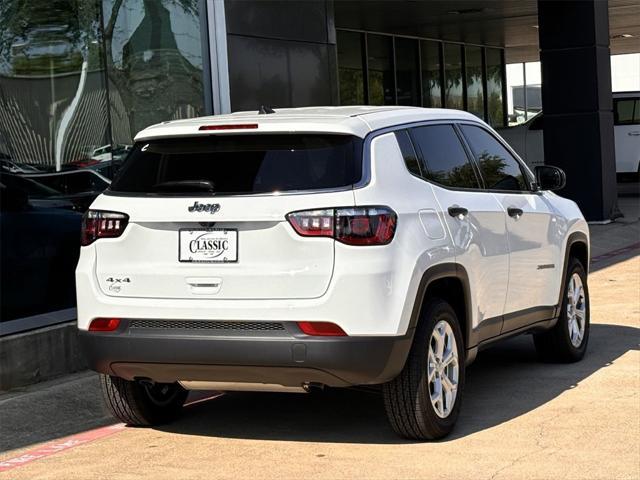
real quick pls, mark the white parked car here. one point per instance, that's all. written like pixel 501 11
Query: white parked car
pixel 527 139
pixel 316 247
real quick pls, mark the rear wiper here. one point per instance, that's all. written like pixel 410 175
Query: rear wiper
pixel 188 185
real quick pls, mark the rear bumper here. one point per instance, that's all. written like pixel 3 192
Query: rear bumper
pixel 287 357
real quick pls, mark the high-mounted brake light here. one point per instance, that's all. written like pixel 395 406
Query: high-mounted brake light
pixel 240 126
pixel 352 226
pixel 104 324
pixel 101 224
pixel 321 329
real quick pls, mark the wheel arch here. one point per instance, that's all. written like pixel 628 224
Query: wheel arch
pixel 450 282
pixel 577 246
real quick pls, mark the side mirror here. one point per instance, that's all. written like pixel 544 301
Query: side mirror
pixel 550 178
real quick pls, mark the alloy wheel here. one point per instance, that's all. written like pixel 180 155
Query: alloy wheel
pixel 576 310
pixel 443 369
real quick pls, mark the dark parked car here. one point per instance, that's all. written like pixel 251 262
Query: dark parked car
pixel 39 195
pixel 80 187
pixel 38 257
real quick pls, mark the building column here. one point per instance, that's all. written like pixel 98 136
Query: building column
pixel 577 101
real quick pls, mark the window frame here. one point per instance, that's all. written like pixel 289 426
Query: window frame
pixel 635 112
pixel 362 158
pixel 405 132
pixel 425 167
pixel 369 137
pixel 527 175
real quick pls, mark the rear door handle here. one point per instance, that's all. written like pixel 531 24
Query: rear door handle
pixel 514 212
pixel 634 134
pixel 456 211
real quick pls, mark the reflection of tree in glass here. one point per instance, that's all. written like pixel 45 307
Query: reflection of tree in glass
pixel 431 88
pixel 155 80
pixel 461 176
pixel 453 90
pixel 495 173
pixel 45 37
pixel 351 86
pixel 494 96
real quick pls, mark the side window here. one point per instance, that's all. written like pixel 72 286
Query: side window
pixel 408 153
pixel 537 123
pixel 444 156
pixel 626 111
pixel 498 167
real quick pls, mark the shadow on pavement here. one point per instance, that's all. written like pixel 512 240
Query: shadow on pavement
pixel 605 262
pixel 505 382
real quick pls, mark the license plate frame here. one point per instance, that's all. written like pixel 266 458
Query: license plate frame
pixel 189 234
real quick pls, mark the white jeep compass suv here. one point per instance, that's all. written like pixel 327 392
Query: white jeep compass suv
pixel 330 246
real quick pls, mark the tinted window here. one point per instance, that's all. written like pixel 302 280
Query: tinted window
pixel 500 170
pixel 444 156
pixel 241 164
pixel 408 153
pixel 537 123
pixel 627 111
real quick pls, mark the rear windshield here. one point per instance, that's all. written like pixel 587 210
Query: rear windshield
pixel 240 164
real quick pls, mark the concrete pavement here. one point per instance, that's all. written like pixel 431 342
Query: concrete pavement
pixel 520 419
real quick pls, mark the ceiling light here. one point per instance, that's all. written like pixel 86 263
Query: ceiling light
pixel 623 35
pixel 467 11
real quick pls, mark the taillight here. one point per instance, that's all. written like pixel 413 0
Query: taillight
pixel 321 329
pixel 353 226
pixel 101 224
pixel 104 324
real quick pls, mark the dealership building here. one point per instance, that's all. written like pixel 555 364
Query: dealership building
pixel 78 79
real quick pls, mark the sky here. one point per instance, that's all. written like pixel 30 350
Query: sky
pixel 625 72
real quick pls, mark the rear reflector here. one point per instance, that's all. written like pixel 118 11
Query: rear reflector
pixel 240 126
pixel 104 324
pixel 352 226
pixel 100 224
pixel 321 329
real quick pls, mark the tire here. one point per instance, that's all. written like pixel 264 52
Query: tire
pixel 556 344
pixel 137 404
pixel 407 398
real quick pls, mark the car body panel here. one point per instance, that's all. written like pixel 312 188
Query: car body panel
pixel 369 291
pixel 528 140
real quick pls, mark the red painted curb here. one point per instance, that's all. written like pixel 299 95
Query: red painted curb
pixel 82 438
pixel 58 446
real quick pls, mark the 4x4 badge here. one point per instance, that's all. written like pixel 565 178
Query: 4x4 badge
pixel 204 207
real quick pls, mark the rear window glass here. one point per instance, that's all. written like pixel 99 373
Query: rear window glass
pixel 626 111
pixel 240 164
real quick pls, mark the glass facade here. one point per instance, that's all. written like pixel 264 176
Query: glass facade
pixel 350 68
pixel 407 77
pixel 495 87
pixel 78 80
pixel 381 72
pixel 428 73
pixel 524 91
pixel 431 74
pixel 453 86
pixel 475 85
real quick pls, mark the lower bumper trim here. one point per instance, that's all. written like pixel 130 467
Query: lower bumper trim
pixel 290 360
